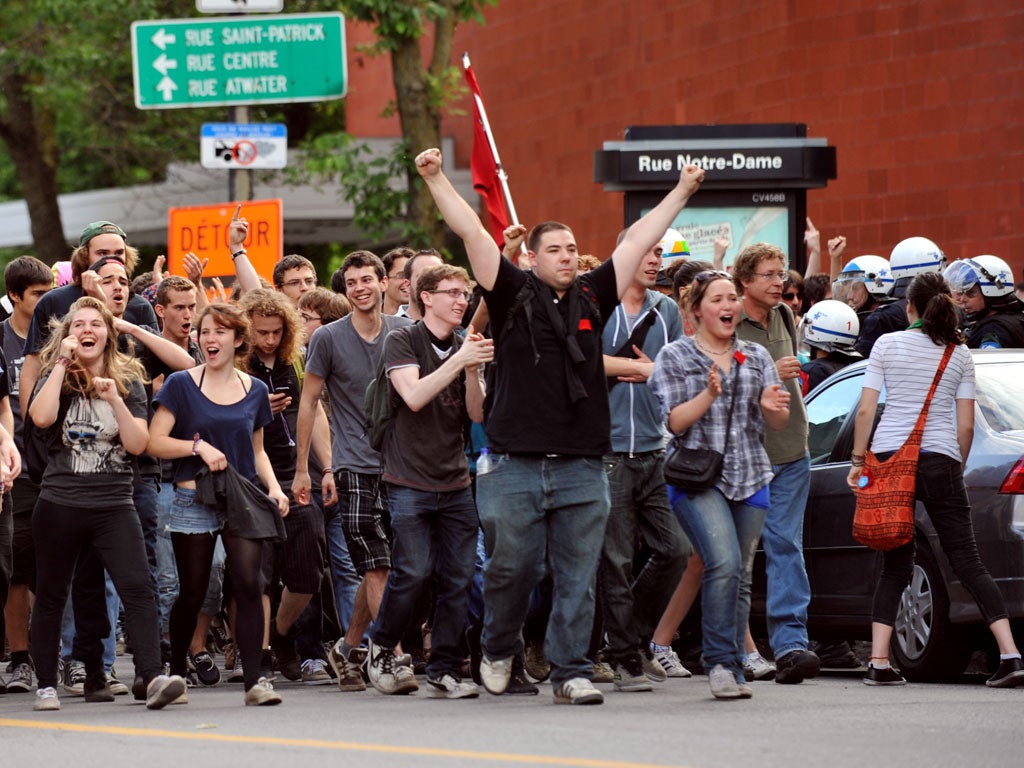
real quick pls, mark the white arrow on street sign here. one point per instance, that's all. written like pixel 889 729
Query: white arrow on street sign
pixel 162 64
pixel 161 39
pixel 239 6
pixel 166 87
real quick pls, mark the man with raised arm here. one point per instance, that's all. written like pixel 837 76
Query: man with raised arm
pixel 545 501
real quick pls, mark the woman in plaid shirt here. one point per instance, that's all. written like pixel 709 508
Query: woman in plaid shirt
pixel 698 380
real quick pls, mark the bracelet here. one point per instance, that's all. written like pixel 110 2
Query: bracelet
pixel 63 360
pixel 196 440
pixel 856 463
pixel 328 470
pixel 240 252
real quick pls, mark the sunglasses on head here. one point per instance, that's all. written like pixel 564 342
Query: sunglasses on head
pixel 711 274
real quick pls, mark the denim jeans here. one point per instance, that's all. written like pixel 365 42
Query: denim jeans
pixel 167 571
pixel 725 535
pixel 940 487
pixel 434 535
pixel 344 578
pixel 145 492
pixel 639 510
pixel 540 512
pixel 789 591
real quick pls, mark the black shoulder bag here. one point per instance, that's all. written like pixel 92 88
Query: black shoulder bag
pixel 696 470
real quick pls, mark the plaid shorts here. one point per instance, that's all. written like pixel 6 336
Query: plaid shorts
pixel 365 519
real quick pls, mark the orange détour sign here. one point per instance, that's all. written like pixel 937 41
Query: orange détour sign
pixel 203 230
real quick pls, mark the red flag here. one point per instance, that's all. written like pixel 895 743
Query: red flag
pixel 482 163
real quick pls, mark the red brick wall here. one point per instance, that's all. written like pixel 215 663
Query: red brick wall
pixel 924 101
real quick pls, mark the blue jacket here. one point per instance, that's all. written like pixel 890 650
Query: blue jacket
pixel 636 419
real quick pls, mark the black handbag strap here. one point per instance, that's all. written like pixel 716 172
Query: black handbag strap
pixel 732 402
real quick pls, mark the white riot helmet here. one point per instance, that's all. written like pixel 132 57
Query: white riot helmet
pixel 991 273
pixel 873 271
pixel 915 256
pixel 831 325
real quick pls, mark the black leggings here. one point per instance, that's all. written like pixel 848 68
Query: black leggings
pixel 193 553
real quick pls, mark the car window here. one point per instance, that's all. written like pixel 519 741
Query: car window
pixel 827 412
pixel 998 393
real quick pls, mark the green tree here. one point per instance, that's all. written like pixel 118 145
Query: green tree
pixel 67 114
pixel 403 28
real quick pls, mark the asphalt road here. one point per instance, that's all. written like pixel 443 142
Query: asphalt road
pixel 833 721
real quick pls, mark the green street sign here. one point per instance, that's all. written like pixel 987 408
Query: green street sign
pixel 238 60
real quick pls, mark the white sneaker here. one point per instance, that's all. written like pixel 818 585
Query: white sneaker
pixel 578 690
pixel 117 687
pixel 723 683
pixel 669 660
pixel 495 674
pixel 163 690
pixel 450 688
pixel 757 667
pixel 386 675
pixel 262 694
pixel 46 700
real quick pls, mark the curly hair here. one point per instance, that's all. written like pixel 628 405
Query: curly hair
pixel 117 365
pixel 265 303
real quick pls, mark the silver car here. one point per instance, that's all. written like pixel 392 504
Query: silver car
pixel 939 624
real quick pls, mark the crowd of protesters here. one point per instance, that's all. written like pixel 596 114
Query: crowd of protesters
pixel 297 478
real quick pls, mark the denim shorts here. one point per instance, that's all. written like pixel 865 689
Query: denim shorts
pixel 189 516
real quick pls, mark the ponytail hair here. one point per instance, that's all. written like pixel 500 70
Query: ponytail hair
pixel 930 296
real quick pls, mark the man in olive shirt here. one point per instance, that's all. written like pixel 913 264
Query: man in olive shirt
pixel 760 271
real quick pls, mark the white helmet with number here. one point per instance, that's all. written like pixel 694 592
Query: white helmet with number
pixel 990 272
pixel 915 256
pixel 831 325
pixel 873 271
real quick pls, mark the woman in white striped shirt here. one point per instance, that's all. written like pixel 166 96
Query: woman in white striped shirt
pixel 904 363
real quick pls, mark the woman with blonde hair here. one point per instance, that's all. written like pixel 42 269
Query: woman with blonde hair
pixel 92 403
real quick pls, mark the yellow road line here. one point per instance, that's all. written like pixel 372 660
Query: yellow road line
pixel 322 744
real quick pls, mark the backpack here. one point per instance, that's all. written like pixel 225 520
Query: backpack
pixel 380 401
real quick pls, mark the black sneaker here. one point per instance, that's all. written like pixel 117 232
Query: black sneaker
pixel 1009 675
pixel 887 676
pixel 205 668
pixel 796 666
pixel 518 683
pixel 96 688
pixel 288 662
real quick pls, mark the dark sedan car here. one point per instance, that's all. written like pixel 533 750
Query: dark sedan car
pixel 938 625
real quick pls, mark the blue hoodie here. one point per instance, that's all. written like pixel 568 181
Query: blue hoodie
pixel 636 419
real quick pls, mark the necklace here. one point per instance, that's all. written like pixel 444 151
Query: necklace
pixel 700 344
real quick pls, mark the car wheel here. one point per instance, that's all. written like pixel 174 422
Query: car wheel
pixel 925 646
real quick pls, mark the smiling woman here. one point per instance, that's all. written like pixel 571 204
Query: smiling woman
pixel 706 385
pixel 92 396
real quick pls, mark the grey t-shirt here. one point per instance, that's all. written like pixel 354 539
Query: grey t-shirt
pixel 346 363
pixel 93 470
pixel 426 449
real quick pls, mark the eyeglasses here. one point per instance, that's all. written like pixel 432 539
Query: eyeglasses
pixel 455 293
pixel 770 276
pixel 711 274
pixel 398 276
pixel 298 282
pixel 309 318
